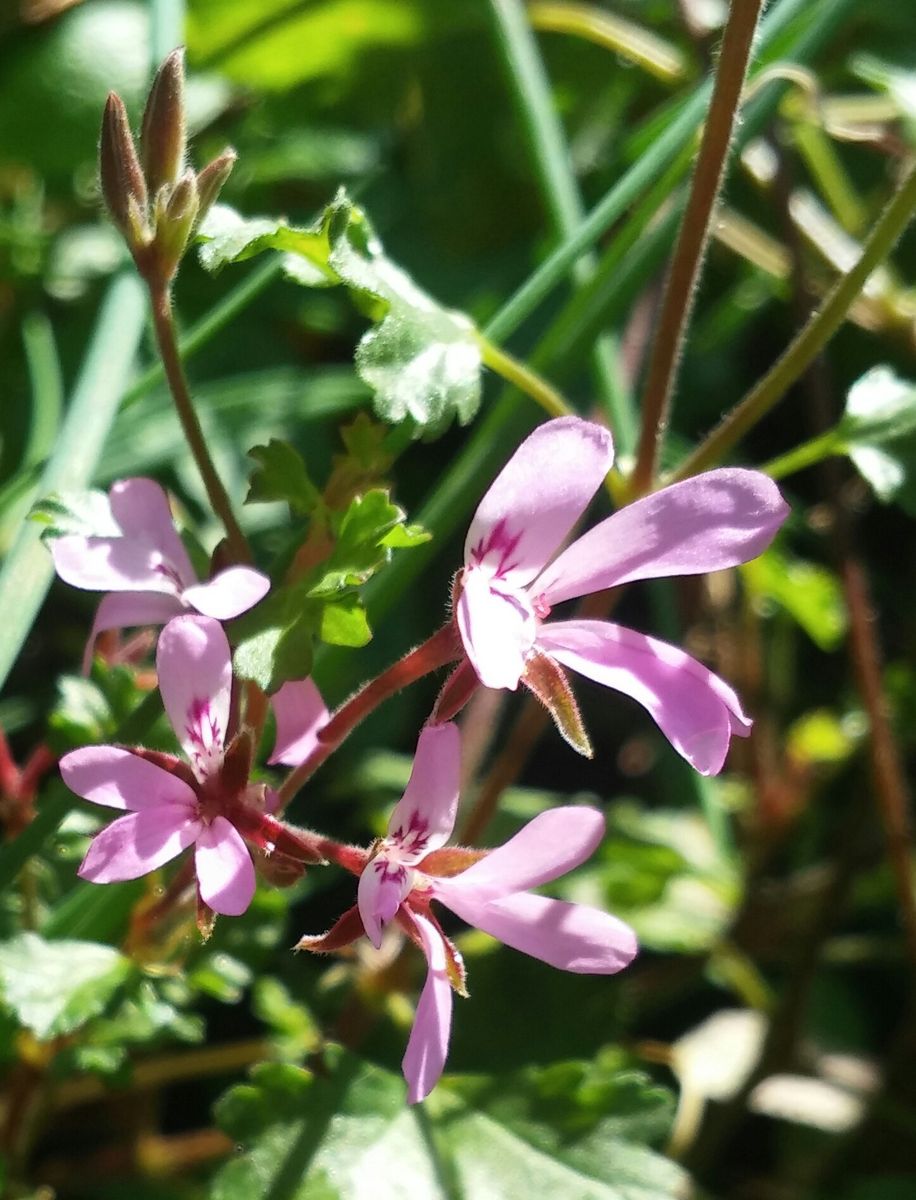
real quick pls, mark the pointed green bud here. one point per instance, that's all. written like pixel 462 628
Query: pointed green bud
pixel 163 137
pixel 175 220
pixel 546 679
pixel 211 179
pixel 123 186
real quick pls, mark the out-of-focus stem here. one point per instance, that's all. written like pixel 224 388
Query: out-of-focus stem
pixel 626 38
pixel 674 316
pixel 178 386
pixel 810 341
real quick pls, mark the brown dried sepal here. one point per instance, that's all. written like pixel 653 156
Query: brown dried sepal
pixel 546 679
pixel 345 930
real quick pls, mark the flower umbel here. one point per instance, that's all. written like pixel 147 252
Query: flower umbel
pixel 513 577
pixel 171 807
pixel 146 568
pixel 410 867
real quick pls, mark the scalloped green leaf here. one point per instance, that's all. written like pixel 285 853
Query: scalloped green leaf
pixel 422 361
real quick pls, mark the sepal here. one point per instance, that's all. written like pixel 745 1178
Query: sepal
pixel 546 679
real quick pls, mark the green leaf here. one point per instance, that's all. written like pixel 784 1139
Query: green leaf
pixel 344 623
pixel 422 361
pixel 56 987
pixel 87 513
pixel 809 593
pixel 280 474
pixel 878 432
pixel 572 1130
pixel 360 548
pixel 275 640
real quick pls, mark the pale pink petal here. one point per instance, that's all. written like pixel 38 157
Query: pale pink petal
pixel 573 937
pixel 424 817
pixel 141 509
pixel 712 521
pixel 139 843
pixel 384 883
pixel 117 778
pixel 427 1048
pixel 553 843
pixel 229 593
pixel 695 709
pixel 225 872
pixel 112 564
pixel 498 629
pixel 538 496
pixel 120 610
pixel 195 679
pixel 300 713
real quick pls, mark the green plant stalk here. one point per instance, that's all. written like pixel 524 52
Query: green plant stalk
pixel 686 264
pixel 802 351
pixel 166 29
pixel 665 148
pixel 629 40
pixel 209 325
pixel 47 386
pixel 547 141
pixel 190 423
pixel 825 445
pixel 524 378
pixel 27 571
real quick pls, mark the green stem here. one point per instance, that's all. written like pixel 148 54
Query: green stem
pixel 767 393
pixel 825 445
pixel 526 380
pixel 547 141
pixel 629 40
pixel 680 286
pixel 187 415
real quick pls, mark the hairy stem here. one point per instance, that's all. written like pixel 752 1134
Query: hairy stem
pixel 443 647
pixel 693 238
pixel 178 386
pixel 766 394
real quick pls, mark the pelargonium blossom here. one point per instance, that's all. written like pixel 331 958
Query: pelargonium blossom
pixel 172 805
pixel 513 577
pixel 411 867
pixel 146 569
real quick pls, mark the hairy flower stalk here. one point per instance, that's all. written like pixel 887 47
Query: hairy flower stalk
pixel 408 869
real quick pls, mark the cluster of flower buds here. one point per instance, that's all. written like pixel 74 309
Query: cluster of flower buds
pixel 154 198
pixel 518 567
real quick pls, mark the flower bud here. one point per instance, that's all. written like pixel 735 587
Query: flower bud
pixel 175 220
pixel 163 133
pixel 123 186
pixel 211 179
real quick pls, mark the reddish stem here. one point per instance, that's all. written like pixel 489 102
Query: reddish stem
pixel 443 647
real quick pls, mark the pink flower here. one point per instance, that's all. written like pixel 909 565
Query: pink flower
pixel 300 713
pixel 512 580
pixel 172 807
pixel 146 568
pixel 409 868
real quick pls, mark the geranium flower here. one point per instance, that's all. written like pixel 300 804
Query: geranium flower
pixel 146 568
pixel 511 579
pixel 410 867
pixel 300 713
pixel 172 805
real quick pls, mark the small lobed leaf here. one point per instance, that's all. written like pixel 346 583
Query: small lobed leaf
pixel 344 623
pixel 54 988
pixel 280 474
pixel 360 548
pixel 422 361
